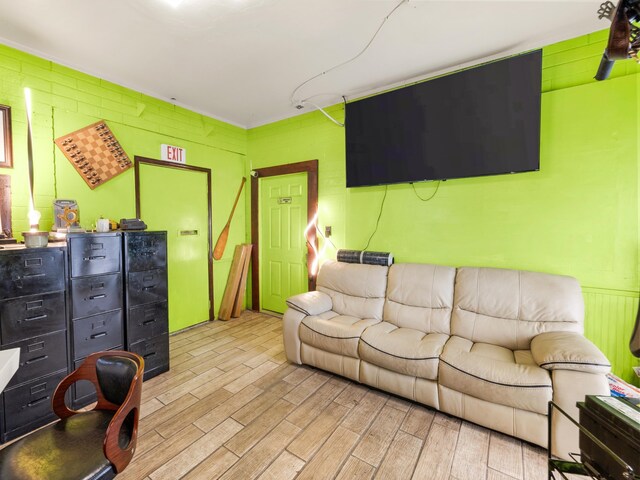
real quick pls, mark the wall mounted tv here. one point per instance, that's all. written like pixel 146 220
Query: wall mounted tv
pixel 481 121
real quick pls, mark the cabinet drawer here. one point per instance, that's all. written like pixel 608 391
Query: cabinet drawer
pixel 94 254
pixel 147 321
pixel 145 251
pixel 33 315
pixel 30 402
pixel 97 333
pixel 31 273
pixel 147 287
pixel 155 352
pixel 40 356
pixel 93 295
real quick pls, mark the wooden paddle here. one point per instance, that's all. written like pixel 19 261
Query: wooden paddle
pixel 221 244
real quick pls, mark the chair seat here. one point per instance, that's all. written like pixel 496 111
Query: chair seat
pixel 69 449
pixel 403 350
pixel 495 374
pixel 339 334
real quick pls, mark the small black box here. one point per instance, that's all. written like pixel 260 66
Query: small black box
pixel 616 423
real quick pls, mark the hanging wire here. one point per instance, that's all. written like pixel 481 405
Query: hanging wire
pixel 432 195
pixel 386 189
pixel 292 98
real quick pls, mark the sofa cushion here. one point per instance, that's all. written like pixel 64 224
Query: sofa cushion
pixel 420 297
pixel 339 334
pixel 510 307
pixel 355 290
pixel 402 350
pixel 495 374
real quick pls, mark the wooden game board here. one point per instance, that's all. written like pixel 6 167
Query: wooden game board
pixel 95 153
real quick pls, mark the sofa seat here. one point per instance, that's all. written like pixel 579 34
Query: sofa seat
pixel 495 374
pixel 403 350
pixel 338 334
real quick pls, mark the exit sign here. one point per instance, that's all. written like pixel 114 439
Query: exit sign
pixel 170 153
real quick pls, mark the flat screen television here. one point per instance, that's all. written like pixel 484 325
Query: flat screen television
pixel 480 121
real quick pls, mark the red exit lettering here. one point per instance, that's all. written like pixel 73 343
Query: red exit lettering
pixel 173 154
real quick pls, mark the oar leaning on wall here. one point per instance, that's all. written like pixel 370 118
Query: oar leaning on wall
pixel 221 244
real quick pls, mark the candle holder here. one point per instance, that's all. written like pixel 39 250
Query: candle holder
pixel 35 238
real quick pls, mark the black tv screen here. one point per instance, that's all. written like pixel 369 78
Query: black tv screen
pixel 481 121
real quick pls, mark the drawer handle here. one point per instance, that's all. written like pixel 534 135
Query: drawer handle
pixel 33 262
pixel 150 287
pixel 37 359
pixel 37 402
pixel 94 257
pixel 147 322
pixel 96 297
pixel 34 275
pixel 149 355
pixel 98 335
pixel 37 317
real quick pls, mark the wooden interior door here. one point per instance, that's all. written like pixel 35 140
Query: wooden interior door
pixel 283 250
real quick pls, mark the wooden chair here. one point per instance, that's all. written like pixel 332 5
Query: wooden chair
pixel 96 444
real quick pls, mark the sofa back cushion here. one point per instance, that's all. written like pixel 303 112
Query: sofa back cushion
pixel 420 296
pixel 510 307
pixel 355 290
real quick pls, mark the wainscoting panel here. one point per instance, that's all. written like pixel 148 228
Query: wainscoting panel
pixel 609 320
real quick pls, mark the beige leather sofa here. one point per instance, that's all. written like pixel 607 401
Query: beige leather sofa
pixel 487 345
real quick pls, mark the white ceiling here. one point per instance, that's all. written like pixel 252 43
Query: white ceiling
pixel 240 60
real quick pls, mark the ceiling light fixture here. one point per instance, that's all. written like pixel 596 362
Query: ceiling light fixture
pixel 174 3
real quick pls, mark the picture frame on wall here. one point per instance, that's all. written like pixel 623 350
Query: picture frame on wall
pixel 6 156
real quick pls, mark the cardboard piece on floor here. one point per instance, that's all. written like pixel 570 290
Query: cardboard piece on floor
pixel 233 283
pixel 239 303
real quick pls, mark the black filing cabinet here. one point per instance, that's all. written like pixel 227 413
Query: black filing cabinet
pixel 33 318
pixel 145 270
pixel 95 287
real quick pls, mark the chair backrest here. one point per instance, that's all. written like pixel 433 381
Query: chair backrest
pixel 356 290
pixel 115 375
pixel 509 307
pixel 420 296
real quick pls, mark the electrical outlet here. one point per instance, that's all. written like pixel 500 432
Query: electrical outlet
pixel 327 231
pixel 637 370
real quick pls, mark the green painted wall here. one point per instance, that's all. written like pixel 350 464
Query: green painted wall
pixel 65 100
pixel 577 216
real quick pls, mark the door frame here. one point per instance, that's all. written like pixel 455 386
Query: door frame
pixel 310 167
pixel 160 163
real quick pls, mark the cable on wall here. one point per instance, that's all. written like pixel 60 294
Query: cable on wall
pixel 386 189
pixel 300 103
pixel 344 101
pixel 53 157
pixel 428 198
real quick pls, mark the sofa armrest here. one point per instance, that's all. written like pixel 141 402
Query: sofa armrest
pixel 311 303
pixel 568 351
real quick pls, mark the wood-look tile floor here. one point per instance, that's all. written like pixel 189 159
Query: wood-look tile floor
pixel 231 407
